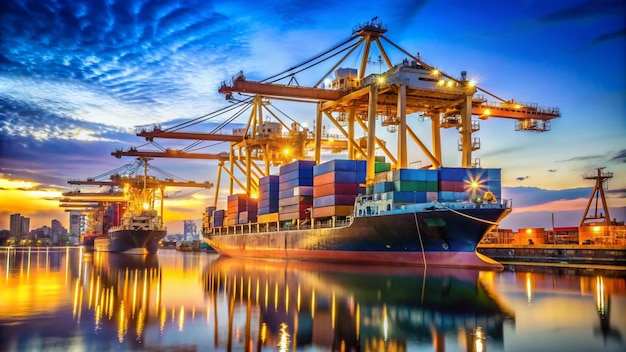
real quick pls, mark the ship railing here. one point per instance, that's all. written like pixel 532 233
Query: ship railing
pixel 240 229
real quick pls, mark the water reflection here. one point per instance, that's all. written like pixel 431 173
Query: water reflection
pixel 121 290
pixel 64 299
pixel 54 299
pixel 554 307
pixel 350 308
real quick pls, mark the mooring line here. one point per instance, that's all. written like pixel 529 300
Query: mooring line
pixel 419 234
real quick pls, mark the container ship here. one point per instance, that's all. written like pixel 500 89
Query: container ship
pixel 358 207
pixel 140 228
pixel 138 233
pixel 322 213
pixel 124 219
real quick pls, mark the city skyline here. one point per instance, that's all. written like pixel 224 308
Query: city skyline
pixel 76 80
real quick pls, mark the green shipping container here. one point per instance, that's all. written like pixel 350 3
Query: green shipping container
pixel 381 167
pixel 410 186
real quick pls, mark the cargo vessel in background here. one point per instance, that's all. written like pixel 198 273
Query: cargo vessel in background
pixel 140 228
pixel 124 219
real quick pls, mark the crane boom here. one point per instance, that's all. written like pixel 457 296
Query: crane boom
pixel 158 133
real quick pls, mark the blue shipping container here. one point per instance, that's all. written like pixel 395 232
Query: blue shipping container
pixel 298 165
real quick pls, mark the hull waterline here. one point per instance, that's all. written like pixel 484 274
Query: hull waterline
pixel 439 237
pixel 131 241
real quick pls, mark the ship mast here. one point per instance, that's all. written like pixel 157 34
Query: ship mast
pixel 598 195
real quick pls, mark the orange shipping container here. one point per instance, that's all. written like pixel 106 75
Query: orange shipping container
pixel 337 210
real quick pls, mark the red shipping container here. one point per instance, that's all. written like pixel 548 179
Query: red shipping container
pixel 333 177
pixel 334 188
pixel 446 186
pixel 460 186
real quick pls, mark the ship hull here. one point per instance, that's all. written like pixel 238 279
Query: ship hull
pixel 439 237
pixel 130 241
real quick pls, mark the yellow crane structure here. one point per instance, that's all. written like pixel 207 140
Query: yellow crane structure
pixel 412 86
pixel 136 191
pixel 350 98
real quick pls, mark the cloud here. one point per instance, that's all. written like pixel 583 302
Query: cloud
pixel 620 156
pixel 585 11
pixel 532 196
pixel 581 158
pixel 615 35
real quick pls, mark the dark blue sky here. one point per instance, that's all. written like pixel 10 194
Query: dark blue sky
pixel 77 77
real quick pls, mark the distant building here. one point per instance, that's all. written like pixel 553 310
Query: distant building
pixel 56 231
pixel 25 224
pixel 19 225
pixel 16 225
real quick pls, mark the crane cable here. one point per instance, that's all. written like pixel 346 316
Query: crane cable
pixel 419 234
pixel 430 67
pixel 309 60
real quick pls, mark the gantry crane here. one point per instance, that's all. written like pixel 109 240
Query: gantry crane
pixel 411 86
pixel 350 98
pixel 126 187
pixel 272 143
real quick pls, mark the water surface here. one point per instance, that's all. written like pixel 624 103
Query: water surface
pixel 66 300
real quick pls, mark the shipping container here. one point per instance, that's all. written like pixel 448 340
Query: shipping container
pixel 295 183
pixel 268 188
pixel 334 199
pixel 381 167
pixel 264 203
pixel 338 210
pixel 268 217
pixel 405 197
pixel 335 188
pixel 297 165
pixel 381 187
pixel 358 166
pixel 296 200
pixel 296 174
pixel 338 176
pixel 267 210
pixel 269 180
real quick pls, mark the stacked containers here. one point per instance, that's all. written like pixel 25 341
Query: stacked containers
pixel 268 194
pixel 461 184
pixel 217 220
pixel 250 214
pixel 295 190
pixel 236 204
pixel 207 216
pixel 410 186
pixel 336 184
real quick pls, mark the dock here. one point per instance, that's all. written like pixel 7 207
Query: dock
pixel 566 255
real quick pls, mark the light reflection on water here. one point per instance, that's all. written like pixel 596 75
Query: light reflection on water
pixel 64 299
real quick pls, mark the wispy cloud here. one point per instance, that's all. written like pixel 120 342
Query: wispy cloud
pixel 620 156
pixel 581 158
pixel 585 10
pixel 534 196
